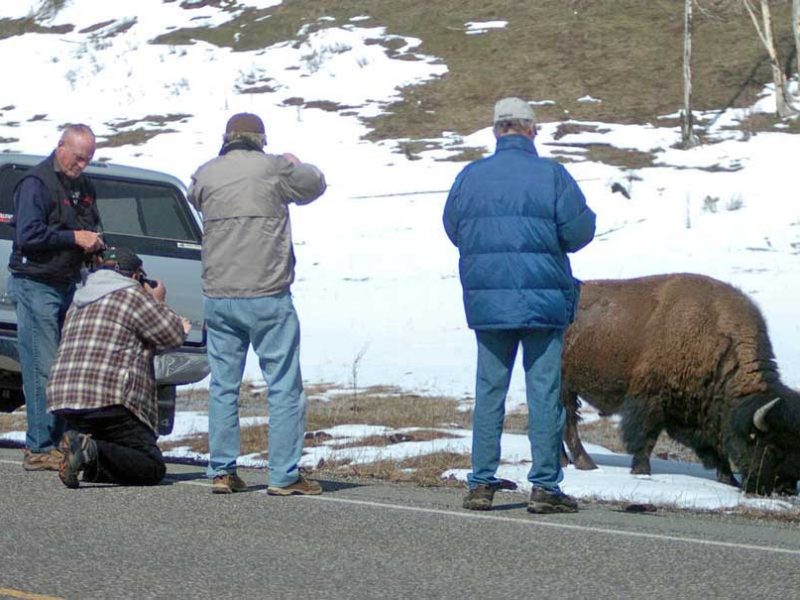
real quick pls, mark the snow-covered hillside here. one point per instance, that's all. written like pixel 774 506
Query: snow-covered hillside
pixel 377 290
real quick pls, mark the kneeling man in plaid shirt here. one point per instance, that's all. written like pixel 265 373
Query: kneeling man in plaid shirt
pixel 102 381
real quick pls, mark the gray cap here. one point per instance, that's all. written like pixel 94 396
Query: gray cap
pixel 513 109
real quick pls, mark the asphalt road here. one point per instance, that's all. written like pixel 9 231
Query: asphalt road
pixel 177 540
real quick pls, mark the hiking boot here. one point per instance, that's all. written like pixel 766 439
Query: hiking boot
pixel 42 461
pixel 546 502
pixel 480 497
pixel 227 484
pixel 79 452
pixel 301 487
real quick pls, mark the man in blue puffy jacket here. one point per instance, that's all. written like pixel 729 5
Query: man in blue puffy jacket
pixel 514 217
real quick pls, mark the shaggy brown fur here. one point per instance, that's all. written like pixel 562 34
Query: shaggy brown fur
pixel 676 352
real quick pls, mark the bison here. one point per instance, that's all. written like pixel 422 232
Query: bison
pixel 688 355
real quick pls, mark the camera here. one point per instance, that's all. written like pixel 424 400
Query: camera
pixel 151 282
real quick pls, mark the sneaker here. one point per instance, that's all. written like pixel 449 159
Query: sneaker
pixel 480 497
pixel 546 502
pixel 42 461
pixel 79 452
pixel 301 487
pixel 227 484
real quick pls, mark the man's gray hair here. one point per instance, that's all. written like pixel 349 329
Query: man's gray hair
pixel 75 129
pixel 512 126
pixel 255 138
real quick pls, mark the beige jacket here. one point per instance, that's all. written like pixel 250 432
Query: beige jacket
pixel 243 196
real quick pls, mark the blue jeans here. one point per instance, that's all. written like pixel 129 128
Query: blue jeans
pixel 541 359
pixel 270 324
pixel 41 308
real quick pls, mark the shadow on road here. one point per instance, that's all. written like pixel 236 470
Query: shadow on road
pixel 658 466
pixel 178 477
pixel 335 486
pixel 512 506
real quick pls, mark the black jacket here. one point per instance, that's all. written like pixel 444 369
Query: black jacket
pixel 48 207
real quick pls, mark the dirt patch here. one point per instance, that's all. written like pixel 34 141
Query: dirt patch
pixel 394 438
pixel 570 128
pixel 610 155
pixel 625 53
pixel 424 470
pixel 14 421
pixel 134 137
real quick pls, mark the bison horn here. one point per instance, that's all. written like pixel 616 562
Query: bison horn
pixel 760 416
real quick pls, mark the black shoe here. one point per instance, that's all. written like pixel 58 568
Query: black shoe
pixel 479 498
pixel 547 502
pixel 79 452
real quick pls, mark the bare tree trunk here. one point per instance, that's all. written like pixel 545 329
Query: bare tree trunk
pixel 687 122
pixel 783 106
pixel 796 31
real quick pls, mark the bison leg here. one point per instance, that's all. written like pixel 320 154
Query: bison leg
pixel 640 464
pixel 641 426
pixel 724 475
pixel 564 457
pixel 710 458
pixel 786 487
pixel 580 457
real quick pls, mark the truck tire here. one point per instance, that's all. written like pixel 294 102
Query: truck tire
pixel 11 399
pixel 166 408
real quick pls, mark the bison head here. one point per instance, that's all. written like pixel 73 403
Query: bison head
pixel 764 443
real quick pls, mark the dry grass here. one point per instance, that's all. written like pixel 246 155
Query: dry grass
pixel 330 405
pixel 608 154
pixel 14 421
pixel 424 470
pixel 626 52
pixel 421 435
pixel 389 410
pixel 132 137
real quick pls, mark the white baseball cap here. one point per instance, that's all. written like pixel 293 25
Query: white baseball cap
pixel 513 109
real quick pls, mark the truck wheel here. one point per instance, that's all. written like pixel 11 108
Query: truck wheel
pixel 166 409
pixel 11 399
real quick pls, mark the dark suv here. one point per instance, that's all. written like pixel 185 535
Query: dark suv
pixel 146 211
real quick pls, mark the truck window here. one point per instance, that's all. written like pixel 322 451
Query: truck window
pixel 150 218
pixel 9 176
pixel 139 209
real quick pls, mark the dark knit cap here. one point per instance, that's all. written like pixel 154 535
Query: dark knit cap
pixel 121 259
pixel 245 123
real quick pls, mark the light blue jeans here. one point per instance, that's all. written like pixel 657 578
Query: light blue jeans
pixel 541 358
pixel 41 308
pixel 270 324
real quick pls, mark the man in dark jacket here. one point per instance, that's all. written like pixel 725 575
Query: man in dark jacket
pixel 514 217
pixel 56 227
pixel 102 381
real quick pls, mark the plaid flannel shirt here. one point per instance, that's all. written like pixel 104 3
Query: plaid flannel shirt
pixel 106 354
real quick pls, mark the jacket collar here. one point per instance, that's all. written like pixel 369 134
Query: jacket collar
pixel 516 142
pixel 240 144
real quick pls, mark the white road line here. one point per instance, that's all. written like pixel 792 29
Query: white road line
pixel 531 522
pixel 534 522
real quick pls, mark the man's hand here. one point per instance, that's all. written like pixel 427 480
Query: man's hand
pixel 187 325
pixel 159 292
pixel 292 158
pixel 90 241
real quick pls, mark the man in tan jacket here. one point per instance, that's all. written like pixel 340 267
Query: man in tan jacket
pixel 248 268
